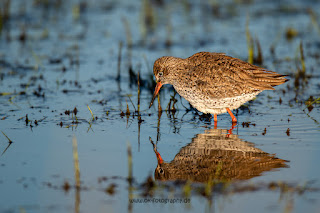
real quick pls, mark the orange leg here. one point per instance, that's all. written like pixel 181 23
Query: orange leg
pixel 215 119
pixel 230 130
pixel 234 120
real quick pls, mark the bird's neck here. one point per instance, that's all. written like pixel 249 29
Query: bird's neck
pixel 176 67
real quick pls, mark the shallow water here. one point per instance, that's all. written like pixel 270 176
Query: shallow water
pixel 56 57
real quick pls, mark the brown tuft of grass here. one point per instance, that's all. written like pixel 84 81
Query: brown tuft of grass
pixel 249 42
pixel 128 32
pixel 314 19
pixel 259 58
pixel 291 33
pixel 128 110
pixel 303 64
pixel 301 77
pixel 4 13
pixel 129 154
pixel 138 82
pixel 119 61
pixel 309 103
pixel 111 189
pixel 288 132
pixel 148 19
pixel 9 140
pixel 76 162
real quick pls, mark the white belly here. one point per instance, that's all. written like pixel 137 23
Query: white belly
pixel 216 105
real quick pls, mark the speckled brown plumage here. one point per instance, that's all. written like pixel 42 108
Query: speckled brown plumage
pixel 216 155
pixel 214 82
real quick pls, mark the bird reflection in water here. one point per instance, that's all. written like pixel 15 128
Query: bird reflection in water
pixel 216 154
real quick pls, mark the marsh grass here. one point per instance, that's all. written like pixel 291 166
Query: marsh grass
pixel 301 78
pixel 310 105
pixel 138 83
pixel 128 111
pixel 76 12
pixel 130 176
pixel 148 19
pixel 310 102
pixel 291 33
pixel 259 58
pixel 75 112
pixel 118 78
pixel 187 188
pixel 169 28
pixel 9 143
pixel 92 119
pixel 5 93
pixel 314 19
pixel 128 32
pixel 76 162
pixel 302 59
pixel 171 105
pixel 4 13
pixel 9 140
pixel 129 155
pixel 253 44
pixel 249 42
pixel 91 112
pixel 76 173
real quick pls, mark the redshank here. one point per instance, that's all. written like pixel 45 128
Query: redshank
pixel 214 82
pixel 212 155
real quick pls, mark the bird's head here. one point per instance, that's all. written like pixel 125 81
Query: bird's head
pixel 164 70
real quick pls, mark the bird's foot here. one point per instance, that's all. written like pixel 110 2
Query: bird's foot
pixel 234 120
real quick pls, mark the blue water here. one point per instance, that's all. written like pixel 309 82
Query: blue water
pixel 76 66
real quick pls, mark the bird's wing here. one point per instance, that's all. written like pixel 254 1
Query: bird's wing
pixel 224 76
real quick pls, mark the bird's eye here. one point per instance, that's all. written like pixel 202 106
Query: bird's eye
pixel 161 171
pixel 160 74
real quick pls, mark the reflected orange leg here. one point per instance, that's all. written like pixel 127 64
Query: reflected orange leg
pixel 215 120
pixel 230 130
pixel 234 120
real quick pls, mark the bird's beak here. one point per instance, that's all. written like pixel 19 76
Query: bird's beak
pixel 156 91
pixel 159 158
